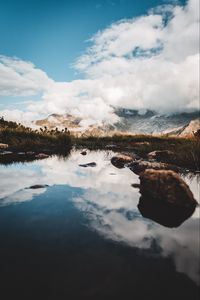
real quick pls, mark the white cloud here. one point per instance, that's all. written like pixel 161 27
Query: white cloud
pixel 21 78
pixel 149 62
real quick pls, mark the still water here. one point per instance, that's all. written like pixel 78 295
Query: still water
pixel 83 237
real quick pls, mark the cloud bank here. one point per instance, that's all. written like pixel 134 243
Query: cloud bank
pixel 149 62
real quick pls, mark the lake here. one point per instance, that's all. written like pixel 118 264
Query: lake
pixel 83 237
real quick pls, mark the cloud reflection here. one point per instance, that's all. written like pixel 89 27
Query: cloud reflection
pixel 109 203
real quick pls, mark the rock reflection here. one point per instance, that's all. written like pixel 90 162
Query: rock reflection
pixel 163 213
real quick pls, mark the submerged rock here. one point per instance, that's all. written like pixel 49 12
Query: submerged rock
pixel 135 185
pixel 166 187
pixel 120 160
pixel 38 186
pixel 161 155
pixel 140 166
pixel 84 152
pixel 92 164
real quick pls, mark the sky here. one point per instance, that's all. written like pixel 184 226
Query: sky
pixel 72 56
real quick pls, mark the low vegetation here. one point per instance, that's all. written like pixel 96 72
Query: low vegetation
pixel 21 138
pixel 186 150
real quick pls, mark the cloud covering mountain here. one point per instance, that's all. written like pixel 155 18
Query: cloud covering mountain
pixel 149 62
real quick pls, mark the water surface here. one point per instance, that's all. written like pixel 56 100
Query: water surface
pixel 83 237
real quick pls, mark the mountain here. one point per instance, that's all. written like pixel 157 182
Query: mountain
pixel 186 130
pixel 130 121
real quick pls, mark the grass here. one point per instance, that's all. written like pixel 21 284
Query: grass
pixel 186 150
pixel 20 138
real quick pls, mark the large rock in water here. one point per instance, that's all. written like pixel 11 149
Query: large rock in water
pixel 120 160
pixel 166 186
pixel 140 166
pixel 166 198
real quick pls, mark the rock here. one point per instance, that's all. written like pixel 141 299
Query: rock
pixel 162 155
pixel 41 155
pixel 38 186
pixel 166 187
pixel 140 166
pixel 121 160
pixel 84 152
pixel 92 164
pixel 3 146
pixel 135 185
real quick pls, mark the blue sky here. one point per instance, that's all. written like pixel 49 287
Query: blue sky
pixel 53 33
pixel 133 52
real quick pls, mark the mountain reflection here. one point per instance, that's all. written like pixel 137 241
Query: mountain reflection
pixel 109 202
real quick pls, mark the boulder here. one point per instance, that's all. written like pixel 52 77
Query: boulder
pixel 92 164
pixel 166 186
pixel 120 160
pixel 163 155
pixel 140 166
pixel 3 146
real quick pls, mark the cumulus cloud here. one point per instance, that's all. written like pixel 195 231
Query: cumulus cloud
pixel 21 78
pixel 148 62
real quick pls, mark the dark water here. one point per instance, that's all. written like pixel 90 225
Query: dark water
pixel 84 238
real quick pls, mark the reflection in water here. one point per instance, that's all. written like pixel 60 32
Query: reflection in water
pixel 109 203
pixel 165 214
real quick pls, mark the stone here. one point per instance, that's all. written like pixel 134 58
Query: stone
pixel 120 160
pixel 84 152
pixel 38 186
pixel 166 186
pixel 140 166
pixel 135 185
pixel 3 146
pixel 92 164
pixel 163 155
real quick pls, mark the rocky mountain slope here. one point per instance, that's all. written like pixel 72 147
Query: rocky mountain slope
pixel 130 121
